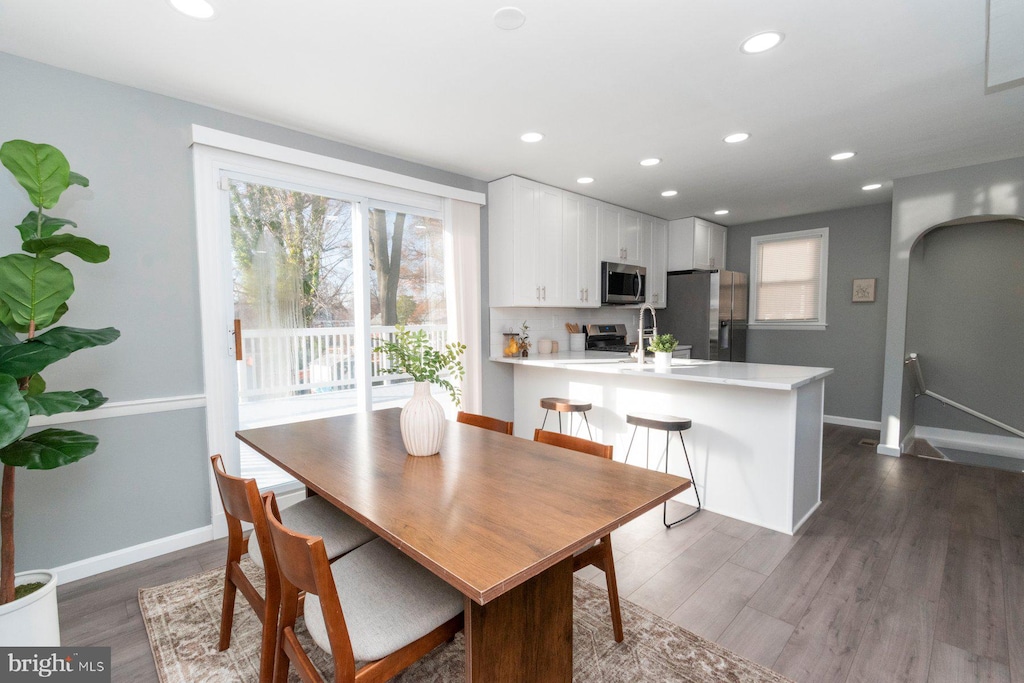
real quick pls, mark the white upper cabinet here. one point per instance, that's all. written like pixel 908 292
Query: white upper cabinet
pixel 654 244
pixel 525 243
pixel 579 251
pixel 619 235
pixel 694 243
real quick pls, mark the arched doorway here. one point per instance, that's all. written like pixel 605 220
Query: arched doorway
pixel 965 322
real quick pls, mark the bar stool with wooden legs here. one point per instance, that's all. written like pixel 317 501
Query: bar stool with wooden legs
pixel 667 424
pixel 566 405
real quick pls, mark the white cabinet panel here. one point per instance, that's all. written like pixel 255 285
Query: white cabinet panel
pixel 525 243
pixel 579 252
pixel 694 243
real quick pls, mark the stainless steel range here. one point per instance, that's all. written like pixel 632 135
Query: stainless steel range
pixel 604 337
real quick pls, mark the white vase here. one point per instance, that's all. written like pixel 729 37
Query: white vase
pixel 422 422
pixel 32 621
pixel 662 359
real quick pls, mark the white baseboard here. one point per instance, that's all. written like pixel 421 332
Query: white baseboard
pixel 136 553
pixel 892 451
pixel 992 444
pixel 853 422
pixel 91 566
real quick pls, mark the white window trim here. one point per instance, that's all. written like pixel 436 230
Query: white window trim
pixel 822 322
pixel 210 137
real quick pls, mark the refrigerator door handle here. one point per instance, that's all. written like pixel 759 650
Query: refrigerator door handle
pixel 723 337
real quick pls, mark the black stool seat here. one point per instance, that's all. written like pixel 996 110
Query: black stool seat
pixel 667 423
pixel 565 405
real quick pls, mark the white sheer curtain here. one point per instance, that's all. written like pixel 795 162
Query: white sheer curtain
pixel 462 244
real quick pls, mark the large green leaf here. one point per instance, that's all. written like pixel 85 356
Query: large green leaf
pixel 8 320
pixel 76 338
pixel 34 288
pixel 94 399
pixel 36 225
pixel 48 449
pixel 8 338
pixel 29 357
pixel 41 169
pixel 14 411
pixel 83 248
pixel 36 385
pixel 54 402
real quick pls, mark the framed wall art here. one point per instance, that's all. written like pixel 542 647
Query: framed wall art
pixel 864 290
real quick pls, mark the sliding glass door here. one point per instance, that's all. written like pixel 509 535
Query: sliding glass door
pixel 306 272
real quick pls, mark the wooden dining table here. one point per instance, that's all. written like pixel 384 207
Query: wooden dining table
pixel 496 516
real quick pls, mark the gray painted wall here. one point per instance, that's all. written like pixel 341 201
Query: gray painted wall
pixel 854 342
pixel 149 477
pixel 919 204
pixel 965 318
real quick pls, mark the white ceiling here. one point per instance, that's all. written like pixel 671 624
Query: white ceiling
pixel 901 82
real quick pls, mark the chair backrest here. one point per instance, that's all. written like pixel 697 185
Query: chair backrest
pixel 240 497
pixel 492 423
pixel 573 443
pixel 302 566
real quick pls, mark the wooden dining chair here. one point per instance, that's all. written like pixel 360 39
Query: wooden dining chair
pixel 492 423
pixel 242 503
pixel 375 606
pixel 600 554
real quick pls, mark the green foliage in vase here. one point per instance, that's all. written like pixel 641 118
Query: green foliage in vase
pixel 410 353
pixel 34 290
pixel 662 342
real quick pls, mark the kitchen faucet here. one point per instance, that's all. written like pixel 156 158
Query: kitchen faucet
pixel 642 336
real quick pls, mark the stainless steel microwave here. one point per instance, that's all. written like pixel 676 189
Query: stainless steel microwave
pixel 622 283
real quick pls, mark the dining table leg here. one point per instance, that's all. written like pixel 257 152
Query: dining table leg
pixel 525 634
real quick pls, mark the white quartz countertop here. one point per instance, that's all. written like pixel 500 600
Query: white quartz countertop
pixel 759 375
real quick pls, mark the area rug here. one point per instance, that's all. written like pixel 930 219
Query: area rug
pixel 183 622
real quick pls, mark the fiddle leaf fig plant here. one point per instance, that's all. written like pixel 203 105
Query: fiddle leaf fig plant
pixel 34 291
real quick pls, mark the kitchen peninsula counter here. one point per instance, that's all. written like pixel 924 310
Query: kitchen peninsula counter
pixel 755 444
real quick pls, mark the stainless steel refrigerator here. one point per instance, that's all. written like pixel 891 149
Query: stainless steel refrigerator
pixel 708 311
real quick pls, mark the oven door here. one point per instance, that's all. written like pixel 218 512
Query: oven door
pixel 622 283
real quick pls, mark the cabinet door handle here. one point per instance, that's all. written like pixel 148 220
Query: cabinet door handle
pixel 544 290
pixel 538 292
pixel 586 294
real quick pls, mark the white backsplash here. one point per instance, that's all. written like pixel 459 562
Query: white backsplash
pixel 549 323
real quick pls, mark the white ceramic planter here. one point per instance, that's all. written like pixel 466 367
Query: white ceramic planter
pixel 422 422
pixel 32 621
pixel 662 359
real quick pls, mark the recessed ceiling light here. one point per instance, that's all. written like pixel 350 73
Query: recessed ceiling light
pixel 669 193
pixel 736 137
pixel 197 9
pixel 761 42
pixel 531 137
pixel 872 186
pixel 509 18
pixel 653 161
pixel 842 156
pixel 584 180
pixel 721 212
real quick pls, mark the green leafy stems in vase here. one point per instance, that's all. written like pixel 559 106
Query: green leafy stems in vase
pixel 411 353
pixel 662 343
pixel 34 290
pixel 524 339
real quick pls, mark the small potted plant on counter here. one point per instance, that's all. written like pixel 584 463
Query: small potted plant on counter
pixel 410 353
pixel 662 345
pixel 524 339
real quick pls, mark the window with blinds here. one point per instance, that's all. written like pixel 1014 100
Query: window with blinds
pixel 788 278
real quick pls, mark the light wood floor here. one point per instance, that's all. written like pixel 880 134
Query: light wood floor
pixel 911 570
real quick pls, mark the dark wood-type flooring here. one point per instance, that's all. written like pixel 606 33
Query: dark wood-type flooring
pixel 911 570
